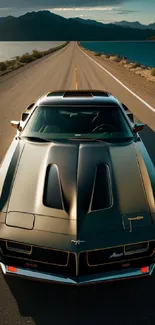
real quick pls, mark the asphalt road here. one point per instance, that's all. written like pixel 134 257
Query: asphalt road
pixel 26 302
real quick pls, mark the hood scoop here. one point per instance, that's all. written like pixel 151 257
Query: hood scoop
pixel 102 189
pixel 81 190
pixel 53 196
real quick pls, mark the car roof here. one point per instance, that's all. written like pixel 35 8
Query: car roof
pixel 78 97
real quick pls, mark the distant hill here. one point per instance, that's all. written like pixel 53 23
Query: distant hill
pixel 46 26
pixel 135 24
pixel 88 21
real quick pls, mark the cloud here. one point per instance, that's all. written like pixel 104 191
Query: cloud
pixel 83 9
pixel 126 12
pixel 57 3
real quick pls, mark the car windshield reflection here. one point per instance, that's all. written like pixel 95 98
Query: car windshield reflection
pixel 78 122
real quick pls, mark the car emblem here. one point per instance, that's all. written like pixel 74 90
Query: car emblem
pixel 115 255
pixel 77 242
pixel 134 219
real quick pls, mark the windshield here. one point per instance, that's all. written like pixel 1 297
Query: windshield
pixel 51 122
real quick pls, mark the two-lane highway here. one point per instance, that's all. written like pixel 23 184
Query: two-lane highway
pixel 25 302
pixel 58 71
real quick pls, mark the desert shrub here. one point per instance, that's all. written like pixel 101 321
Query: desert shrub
pixel 135 65
pixel 10 63
pixel 17 65
pixel 153 72
pixel 98 54
pixel 48 52
pixel 36 54
pixel 115 58
pixel 107 56
pixel 26 58
pixel 3 66
pixel 125 61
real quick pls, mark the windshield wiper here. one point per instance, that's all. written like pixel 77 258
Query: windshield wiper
pixel 37 139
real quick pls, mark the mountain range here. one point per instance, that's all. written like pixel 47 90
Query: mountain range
pixel 135 24
pixel 47 26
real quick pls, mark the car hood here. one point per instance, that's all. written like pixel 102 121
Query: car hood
pixel 81 190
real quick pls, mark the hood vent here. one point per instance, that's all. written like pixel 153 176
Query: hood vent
pixel 53 196
pixel 102 190
pixel 77 94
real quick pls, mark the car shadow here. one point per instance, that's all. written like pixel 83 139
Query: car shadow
pixel 123 302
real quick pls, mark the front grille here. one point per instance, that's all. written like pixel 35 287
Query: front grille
pixel 68 264
pixel 85 269
pixel 39 259
pixel 36 253
pixel 114 254
pixel 67 271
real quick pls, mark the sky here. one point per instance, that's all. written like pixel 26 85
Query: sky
pixel 105 11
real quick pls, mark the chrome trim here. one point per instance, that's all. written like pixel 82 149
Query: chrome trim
pixel 130 273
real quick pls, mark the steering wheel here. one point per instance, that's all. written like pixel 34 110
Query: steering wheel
pixel 101 127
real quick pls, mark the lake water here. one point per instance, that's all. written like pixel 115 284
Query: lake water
pixel 9 50
pixel 141 52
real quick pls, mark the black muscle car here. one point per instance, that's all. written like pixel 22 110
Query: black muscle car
pixel 77 192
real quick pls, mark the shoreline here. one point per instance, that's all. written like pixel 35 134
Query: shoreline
pixel 137 68
pixel 20 61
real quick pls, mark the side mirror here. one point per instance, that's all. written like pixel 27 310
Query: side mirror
pixel 15 124
pixel 138 127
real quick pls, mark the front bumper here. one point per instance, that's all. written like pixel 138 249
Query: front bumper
pixel 97 278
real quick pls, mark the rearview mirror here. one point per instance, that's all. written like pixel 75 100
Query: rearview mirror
pixel 138 127
pixel 15 124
